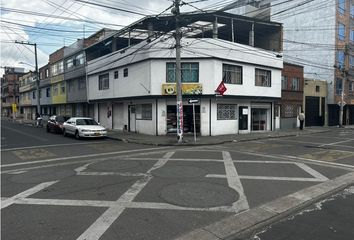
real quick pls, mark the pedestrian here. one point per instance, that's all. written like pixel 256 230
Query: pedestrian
pixel 301 118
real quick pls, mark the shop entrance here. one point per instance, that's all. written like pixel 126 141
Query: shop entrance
pixel 188 126
pixel 259 119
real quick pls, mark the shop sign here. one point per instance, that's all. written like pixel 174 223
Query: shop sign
pixel 187 89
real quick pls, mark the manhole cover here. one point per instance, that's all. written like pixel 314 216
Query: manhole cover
pixel 199 194
pixel 113 165
pixel 179 172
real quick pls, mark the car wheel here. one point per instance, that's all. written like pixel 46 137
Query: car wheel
pixel 64 133
pixel 77 136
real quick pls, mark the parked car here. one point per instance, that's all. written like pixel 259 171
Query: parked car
pixel 83 127
pixel 55 123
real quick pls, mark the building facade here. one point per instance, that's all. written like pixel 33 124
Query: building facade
pixel 27 90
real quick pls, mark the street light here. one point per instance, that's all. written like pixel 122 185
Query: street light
pixel 24 63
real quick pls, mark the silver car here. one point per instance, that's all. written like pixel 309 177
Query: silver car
pixel 83 127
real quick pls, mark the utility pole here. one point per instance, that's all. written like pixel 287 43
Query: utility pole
pixel 36 72
pixel 178 36
pixel 341 109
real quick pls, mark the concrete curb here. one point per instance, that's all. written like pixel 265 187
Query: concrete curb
pixel 143 142
pixel 242 224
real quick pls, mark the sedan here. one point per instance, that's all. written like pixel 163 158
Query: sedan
pixel 83 127
pixel 55 123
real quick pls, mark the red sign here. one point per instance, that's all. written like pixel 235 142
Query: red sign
pixel 221 88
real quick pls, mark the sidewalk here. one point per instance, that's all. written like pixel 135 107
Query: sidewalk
pixel 188 139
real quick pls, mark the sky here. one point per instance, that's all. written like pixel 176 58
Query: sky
pixel 32 21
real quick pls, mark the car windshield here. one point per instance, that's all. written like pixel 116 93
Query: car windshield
pixel 61 119
pixel 86 122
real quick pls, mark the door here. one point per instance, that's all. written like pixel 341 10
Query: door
pixel 131 118
pixel 243 118
pixel 312 111
pixel 259 119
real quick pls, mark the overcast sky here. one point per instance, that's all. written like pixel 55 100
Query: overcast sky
pixel 37 29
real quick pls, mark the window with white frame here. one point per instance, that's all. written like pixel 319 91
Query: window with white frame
pixel 103 81
pixel 263 78
pixel 79 59
pixel 341 31
pixel 232 74
pixel 295 84
pixel 284 82
pixel 226 111
pixel 60 67
pixel 189 72
pixel 116 74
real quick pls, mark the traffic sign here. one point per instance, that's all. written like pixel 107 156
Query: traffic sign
pixel 193 100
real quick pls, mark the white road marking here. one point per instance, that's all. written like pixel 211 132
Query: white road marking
pixel 269 178
pixel 234 182
pixel 48 146
pixel 99 227
pixel 126 174
pixel 17 172
pixel 319 145
pixel 311 171
pixel 26 193
pixel 335 143
pixel 81 156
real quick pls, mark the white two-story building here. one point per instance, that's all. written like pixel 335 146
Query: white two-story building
pixel 134 89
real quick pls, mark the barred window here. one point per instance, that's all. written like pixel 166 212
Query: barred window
pixel 263 78
pixel 232 74
pixel 289 111
pixel 189 72
pixel 226 111
pixel 146 111
pixel 103 81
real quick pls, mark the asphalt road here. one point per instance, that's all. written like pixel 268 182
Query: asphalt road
pixel 62 188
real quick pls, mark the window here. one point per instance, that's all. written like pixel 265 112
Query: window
pixel 82 84
pixel 351 10
pixel 284 82
pixel 317 88
pixel 232 74
pixel 54 69
pixel 340 59
pixel 295 84
pixel 55 90
pixel 69 63
pixel 351 87
pixel 79 59
pixel 62 88
pixel 34 94
pixel 103 81
pixel 125 72
pixel 47 72
pixel 189 72
pixel 352 35
pixel 60 67
pixel 263 78
pixel 41 75
pixel 47 94
pixel 341 31
pixel 226 111
pixel 339 86
pixel 116 74
pixel 341 6
pixel 351 61
pixel 146 111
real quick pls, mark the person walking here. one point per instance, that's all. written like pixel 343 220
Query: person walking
pixel 301 119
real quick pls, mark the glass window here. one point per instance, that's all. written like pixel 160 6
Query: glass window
pixel 284 82
pixel 47 72
pixel 116 74
pixel 351 9
pixel 55 89
pixel 125 72
pixel 48 92
pixel 103 81
pixel 340 59
pixel 232 74
pixel 62 88
pixel 69 63
pixel 352 35
pixel 263 78
pixel 79 59
pixel 54 69
pixel 295 84
pixel 341 31
pixel 226 111
pixel 339 86
pixel 60 67
pixel 351 87
pixel 189 72
pixel 341 6
pixel 317 88
pixel 146 111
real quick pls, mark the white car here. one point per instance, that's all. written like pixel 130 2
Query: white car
pixel 83 127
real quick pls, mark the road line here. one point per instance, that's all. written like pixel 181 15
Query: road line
pixel 269 178
pixel 51 145
pixel 27 134
pixel 81 156
pixel 26 193
pixel 311 171
pixel 335 143
pixel 127 174
pixel 234 182
pixel 99 227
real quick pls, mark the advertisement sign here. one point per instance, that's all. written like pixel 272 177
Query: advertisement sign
pixel 14 107
pixel 187 89
pixel 221 88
